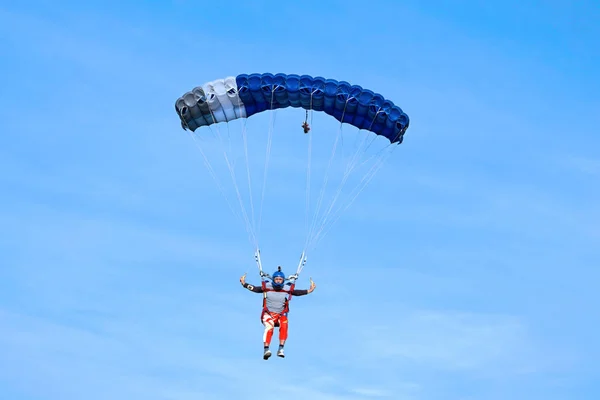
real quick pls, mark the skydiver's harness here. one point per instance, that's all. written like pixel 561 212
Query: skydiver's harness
pixel 291 278
pixel 286 307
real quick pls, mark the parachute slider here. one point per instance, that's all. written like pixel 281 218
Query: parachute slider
pixel 306 127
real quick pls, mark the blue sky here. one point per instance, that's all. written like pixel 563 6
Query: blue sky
pixel 467 269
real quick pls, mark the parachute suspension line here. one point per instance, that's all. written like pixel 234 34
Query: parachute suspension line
pixel 249 228
pixel 323 187
pixel 251 232
pixel 339 136
pixel 351 166
pixel 308 181
pixel 245 141
pixel 250 222
pixel 267 156
pixel 356 156
pixel 376 155
pixel 369 175
pixel 214 176
pixel 308 167
pixel 306 128
pixel 356 191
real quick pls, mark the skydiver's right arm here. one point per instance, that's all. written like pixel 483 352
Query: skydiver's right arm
pixel 252 288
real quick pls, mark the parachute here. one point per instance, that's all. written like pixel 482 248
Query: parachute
pixel 227 99
pixel 241 97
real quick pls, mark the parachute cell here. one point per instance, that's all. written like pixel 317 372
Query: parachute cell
pixel 227 99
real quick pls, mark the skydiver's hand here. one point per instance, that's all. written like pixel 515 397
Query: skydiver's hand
pixel 243 279
pixel 312 286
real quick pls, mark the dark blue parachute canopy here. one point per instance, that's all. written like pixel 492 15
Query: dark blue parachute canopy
pixel 227 99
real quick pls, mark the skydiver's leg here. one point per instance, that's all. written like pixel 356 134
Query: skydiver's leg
pixel 269 323
pixel 283 329
pixel 283 334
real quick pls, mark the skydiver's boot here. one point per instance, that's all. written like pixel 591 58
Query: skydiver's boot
pixel 267 353
pixel 280 352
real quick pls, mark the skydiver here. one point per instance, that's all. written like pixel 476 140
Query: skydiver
pixel 276 297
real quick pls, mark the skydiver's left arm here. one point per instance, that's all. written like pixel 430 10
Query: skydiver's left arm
pixel 303 292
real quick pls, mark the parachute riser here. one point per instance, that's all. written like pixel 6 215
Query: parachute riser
pixel 301 264
pixel 291 278
pixel 263 274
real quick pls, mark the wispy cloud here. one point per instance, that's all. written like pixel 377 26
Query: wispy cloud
pixel 139 358
pixel 455 341
pixel 585 165
pixel 372 392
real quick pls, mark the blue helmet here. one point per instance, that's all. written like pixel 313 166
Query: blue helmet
pixel 278 274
